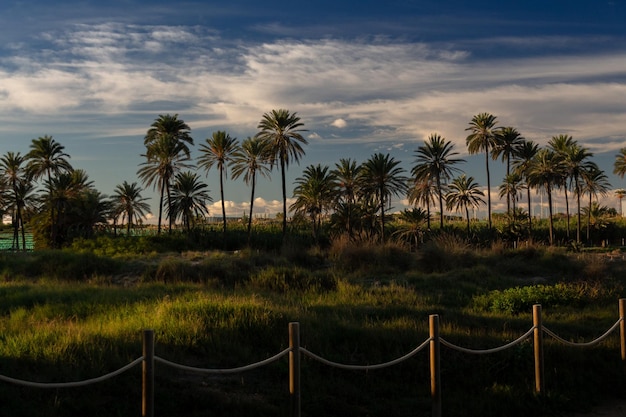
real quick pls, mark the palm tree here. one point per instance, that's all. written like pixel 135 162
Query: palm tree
pixel 435 162
pixel 464 193
pixel 314 193
pixel 561 145
pixel 411 225
pixel 483 138
pixel 508 140
pixel 619 166
pixel 128 201
pixel 382 179
pixel 166 140
pixel 249 160
pixel 523 159
pixel 422 191
pixel 545 171
pixel 12 171
pixel 165 156
pixel 281 131
pixel 577 164
pixel 189 198
pixel 170 126
pixel 45 158
pixel 348 176
pixel 511 188
pixel 217 151
pixel 595 183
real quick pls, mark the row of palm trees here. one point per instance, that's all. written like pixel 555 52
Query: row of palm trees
pixel 357 196
pixel 350 189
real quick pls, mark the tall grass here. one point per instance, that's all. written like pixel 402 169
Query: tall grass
pixel 355 303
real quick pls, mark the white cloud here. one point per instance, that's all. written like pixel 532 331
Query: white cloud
pixel 339 123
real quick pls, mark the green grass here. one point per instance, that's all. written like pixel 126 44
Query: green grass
pixel 71 315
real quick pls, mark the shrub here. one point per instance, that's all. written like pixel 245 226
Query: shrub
pixel 521 299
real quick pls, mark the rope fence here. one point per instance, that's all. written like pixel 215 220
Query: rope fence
pixel 295 351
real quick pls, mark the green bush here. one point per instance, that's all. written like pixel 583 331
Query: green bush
pixel 521 299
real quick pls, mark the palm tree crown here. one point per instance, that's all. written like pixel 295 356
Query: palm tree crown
pixel 464 193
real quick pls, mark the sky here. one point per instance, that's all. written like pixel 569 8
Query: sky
pixel 364 76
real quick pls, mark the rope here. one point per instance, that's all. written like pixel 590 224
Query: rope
pixel 485 351
pixel 72 384
pixel 584 344
pixel 366 367
pixel 223 371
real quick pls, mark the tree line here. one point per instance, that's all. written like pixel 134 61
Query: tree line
pixel 351 198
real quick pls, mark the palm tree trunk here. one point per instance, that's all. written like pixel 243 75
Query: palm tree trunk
pixel 439 191
pixel 284 185
pixel 530 216
pixel 223 205
pixel 578 212
pixel 488 186
pixel 567 211
pixel 468 220
pixel 251 207
pixel 549 192
pixel 161 208
pixel 382 215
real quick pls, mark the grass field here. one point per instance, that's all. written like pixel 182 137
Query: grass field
pixel 72 315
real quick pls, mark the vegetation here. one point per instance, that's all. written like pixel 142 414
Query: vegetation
pixel 77 314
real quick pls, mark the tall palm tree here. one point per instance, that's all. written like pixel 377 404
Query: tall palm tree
pixel 483 138
pixel 382 179
pixel 13 172
pixel 422 191
pixel 128 201
pixel 348 175
pixel 314 192
pixel 217 151
pixel 170 126
pixel 561 145
pixel 619 166
pixel 167 141
pixel 508 140
pixel 46 158
pixel 523 159
pixel 282 131
pixel 595 183
pixel 189 198
pixel 577 164
pixel 435 162
pixel 511 188
pixel 249 160
pixel 545 171
pixel 165 156
pixel 463 193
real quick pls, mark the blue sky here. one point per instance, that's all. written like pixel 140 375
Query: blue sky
pixel 365 77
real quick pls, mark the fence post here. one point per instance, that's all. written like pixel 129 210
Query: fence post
pixel 435 369
pixel 147 376
pixel 294 368
pixel 538 345
pixel 622 328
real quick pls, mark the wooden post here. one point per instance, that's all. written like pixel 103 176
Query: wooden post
pixel 435 368
pixel 294 368
pixel 147 393
pixel 538 345
pixel 622 326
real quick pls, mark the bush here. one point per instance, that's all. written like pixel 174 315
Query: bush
pixel 521 299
